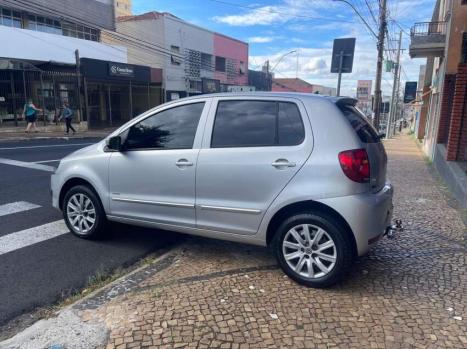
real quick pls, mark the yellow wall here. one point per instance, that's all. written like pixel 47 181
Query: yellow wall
pixel 123 8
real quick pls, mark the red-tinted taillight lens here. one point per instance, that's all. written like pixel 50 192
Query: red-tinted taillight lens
pixel 355 165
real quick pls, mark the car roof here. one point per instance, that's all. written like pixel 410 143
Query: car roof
pixel 297 95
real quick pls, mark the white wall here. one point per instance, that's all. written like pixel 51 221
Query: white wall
pixel 186 36
pixel 32 45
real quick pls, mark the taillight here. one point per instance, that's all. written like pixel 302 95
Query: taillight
pixel 355 165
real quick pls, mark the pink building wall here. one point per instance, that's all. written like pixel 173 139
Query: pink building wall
pixel 231 48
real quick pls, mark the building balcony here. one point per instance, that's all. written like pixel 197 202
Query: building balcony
pixel 427 39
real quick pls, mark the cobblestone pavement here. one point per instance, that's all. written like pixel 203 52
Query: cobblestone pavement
pixel 409 292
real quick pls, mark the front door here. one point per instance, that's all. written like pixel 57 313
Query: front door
pixel 255 149
pixel 153 178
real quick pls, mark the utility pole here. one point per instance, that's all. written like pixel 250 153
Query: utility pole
pixel 396 106
pixel 339 77
pixel 296 67
pixel 379 64
pixel 268 76
pixel 78 83
pixel 392 111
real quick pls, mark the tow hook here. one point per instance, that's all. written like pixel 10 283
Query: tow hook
pixel 391 230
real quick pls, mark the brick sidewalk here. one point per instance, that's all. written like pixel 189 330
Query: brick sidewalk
pixel 407 293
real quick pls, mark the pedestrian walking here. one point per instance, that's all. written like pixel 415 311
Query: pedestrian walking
pixel 67 114
pixel 30 114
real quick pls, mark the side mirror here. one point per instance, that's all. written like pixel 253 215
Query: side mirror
pixel 114 143
pixel 382 135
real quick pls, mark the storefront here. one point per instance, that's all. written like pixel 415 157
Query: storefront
pixel 111 93
pixel 46 85
pixel 117 92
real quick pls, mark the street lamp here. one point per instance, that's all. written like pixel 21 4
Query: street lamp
pixel 281 58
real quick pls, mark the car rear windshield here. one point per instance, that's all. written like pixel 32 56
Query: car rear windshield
pixel 362 127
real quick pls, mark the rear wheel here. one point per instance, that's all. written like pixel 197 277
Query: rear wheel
pixel 83 213
pixel 313 249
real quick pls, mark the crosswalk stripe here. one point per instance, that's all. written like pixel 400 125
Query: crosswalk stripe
pixel 31 236
pixel 15 207
pixel 31 165
pixel 47 146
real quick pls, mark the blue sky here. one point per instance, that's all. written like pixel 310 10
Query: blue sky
pixel 275 27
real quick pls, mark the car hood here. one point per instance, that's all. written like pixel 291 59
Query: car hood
pixel 83 152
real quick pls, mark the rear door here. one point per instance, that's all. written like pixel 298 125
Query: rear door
pixel 371 142
pixel 251 150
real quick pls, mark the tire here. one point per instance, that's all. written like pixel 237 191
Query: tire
pixel 85 219
pixel 330 257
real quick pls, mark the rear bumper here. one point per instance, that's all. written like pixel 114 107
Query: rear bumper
pixel 367 214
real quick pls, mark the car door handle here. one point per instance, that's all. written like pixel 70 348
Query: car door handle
pixel 280 163
pixel 183 163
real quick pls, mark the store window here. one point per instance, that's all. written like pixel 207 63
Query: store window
pixel 220 64
pixel 10 18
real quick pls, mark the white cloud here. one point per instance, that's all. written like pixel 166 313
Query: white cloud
pixel 270 14
pixel 260 39
pixel 259 16
pixel 316 65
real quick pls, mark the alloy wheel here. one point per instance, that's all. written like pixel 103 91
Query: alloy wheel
pixel 309 251
pixel 81 213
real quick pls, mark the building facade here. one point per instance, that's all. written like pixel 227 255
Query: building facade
pixel 44 46
pixel 364 96
pixel 194 60
pixel 442 126
pixel 299 85
pixel 441 42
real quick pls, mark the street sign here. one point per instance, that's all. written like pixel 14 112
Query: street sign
pixel 342 48
pixel 410 92
pixel 342 58
pixel 389 66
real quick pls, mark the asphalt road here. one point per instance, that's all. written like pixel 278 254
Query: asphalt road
pixel 42 273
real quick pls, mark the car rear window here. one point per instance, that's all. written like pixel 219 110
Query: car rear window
pixel 362 127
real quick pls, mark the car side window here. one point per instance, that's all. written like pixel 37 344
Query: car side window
pixel 255 123
pixel 173 128
pixel 291 130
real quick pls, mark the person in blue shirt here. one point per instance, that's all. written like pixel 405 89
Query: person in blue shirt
pixel 30 114
pixel 67 114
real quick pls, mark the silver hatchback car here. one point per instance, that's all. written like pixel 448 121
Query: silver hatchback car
pixel 304 174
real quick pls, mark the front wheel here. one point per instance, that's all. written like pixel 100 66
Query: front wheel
pixel 83 213
pixel 313 249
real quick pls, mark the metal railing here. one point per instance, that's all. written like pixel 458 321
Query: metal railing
pixel 428 28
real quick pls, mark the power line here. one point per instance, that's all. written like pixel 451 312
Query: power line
pixel 359 15
pixel 371 12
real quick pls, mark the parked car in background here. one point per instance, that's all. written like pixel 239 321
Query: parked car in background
pixel 301 173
